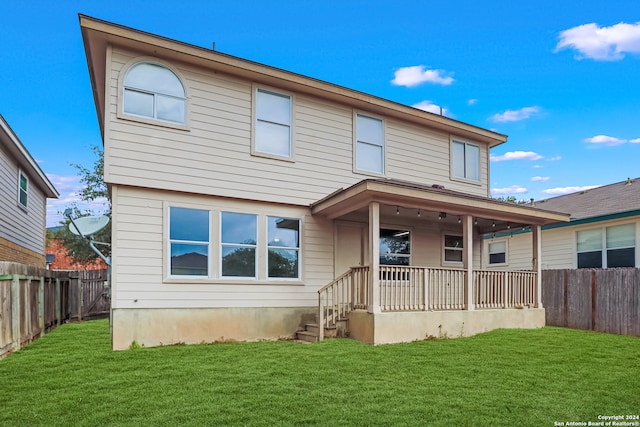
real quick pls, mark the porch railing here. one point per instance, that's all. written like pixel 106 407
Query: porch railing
pixel 424 288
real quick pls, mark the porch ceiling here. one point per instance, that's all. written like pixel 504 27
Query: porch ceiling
pixel 406 195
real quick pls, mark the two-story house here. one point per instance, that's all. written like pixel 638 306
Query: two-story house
pixel 24 190
pixel 245 196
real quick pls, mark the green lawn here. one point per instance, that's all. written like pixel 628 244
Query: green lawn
pixel 507 377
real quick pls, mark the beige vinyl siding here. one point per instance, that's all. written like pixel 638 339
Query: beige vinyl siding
pixel 25 228
pixel 139 274
pixel 213 156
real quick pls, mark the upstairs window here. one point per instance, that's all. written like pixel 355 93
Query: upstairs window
pixel 23 190
pixel 273 124
pixel 607 247
pixel 369 144
pixel 465 161
pixel 154 91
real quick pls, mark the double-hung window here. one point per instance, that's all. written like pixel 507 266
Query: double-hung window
pixel 497 252
pixel 453 247
pixel 283 245
pixel 238 244
pixel 369 150
pixel 607 247
pixel 23 189
pixel 395 247
pixel 273 124
pixel 189 238
pixel 154 91
pixel 465 161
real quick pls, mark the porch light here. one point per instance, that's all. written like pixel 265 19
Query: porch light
pixel 475 221
pixel 418 213
pixel 397 210
pixel 442 215
pixel 459 219
pixel 493 224
pixel 508 226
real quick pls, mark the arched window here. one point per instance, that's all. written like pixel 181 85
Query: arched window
pixel 151 90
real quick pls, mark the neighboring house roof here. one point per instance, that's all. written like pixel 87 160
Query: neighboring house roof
pixel 10 140
pixel 612 199
pixel 97 35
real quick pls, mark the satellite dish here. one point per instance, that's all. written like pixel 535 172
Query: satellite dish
pixel 88 225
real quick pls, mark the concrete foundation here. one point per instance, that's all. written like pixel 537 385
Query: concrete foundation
pixel 155 327
pixel 396 327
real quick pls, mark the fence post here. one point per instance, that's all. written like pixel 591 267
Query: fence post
pixel 58 303
pixel 80 296
pixel 15 312
pixel 41 305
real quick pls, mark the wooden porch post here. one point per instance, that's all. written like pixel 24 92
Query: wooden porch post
pixel 536 234
pixel 374 258
pixel 467 259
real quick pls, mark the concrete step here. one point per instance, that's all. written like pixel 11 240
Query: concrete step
pixel 307 336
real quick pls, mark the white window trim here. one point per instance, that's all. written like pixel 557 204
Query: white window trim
pixel 20 175
pixel 603 247
pixel 167 254
pixel 254 119
pixel 443 255
pixel 120 114
pixel 267 247
pixel 215 244
pixel 452 160
pixel 506 252
pixel 355 144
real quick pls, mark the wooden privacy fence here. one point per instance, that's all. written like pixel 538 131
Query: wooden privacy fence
pixel 605 300
pixel 34 301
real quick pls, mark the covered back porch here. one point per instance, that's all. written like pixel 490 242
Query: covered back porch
pixel 388 296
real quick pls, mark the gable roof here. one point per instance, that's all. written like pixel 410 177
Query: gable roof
pixel 617 198
pixel 19 152
pixel 98 35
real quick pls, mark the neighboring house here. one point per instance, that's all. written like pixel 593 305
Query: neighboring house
pixel 603 232
pixel 24 190
pixel 239 191
pixel 58 259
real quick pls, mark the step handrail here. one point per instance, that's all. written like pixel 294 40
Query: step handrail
pixel 335 300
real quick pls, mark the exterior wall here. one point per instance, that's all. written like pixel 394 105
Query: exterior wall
pixel 12 252
pixel 139 273
pixel 213 155
pixel 156 327
pixel 558 246
pixel 25 228
pixel 396 327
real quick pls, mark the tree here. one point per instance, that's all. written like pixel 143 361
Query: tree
pixel 511 199
pixel 93 189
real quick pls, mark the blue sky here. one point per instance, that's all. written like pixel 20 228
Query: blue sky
pixel 561 79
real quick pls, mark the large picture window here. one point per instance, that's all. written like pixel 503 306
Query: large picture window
pixel 189 241
pixel 395 247
pixel 273 124
pixel 238 244
pixel 154 91
pixel 369 144
pixel 283 241
pixel 607 247
pixel 465 161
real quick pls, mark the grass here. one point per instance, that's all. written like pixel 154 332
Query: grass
pixel 505 377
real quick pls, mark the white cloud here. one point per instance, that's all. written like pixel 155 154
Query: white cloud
pixel 514 189
pixel 515 115
pixel 601 43
pixel 554 159
pixel 635 141
pixel 537 166
pixel 540 178
pixel 69 188
pixel 416 75
pixel 566 190
pixel 432 108
pixel 605 139
pixel 516 155
pixel 472 101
